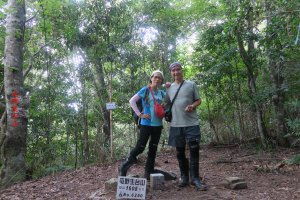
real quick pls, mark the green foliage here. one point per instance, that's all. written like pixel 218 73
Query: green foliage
pixel 295 160
pixel 293 120
pixel 294 125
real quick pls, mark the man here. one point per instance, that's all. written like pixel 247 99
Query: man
pixel 184 127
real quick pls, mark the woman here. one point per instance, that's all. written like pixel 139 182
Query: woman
pixel 150 125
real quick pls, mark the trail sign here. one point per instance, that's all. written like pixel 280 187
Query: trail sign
pixel 111 106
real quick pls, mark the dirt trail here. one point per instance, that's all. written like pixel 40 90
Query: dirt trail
pixel 266 178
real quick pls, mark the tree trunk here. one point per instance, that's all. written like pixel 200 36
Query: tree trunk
pixel 86 152
pixel 275 66
pixel 250 62
pixel 238 104
pixel 13 142
pixel 103 97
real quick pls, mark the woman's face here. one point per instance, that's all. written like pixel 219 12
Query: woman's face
pixel 156 79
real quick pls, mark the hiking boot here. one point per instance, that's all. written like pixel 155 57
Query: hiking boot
pixel 196 182
pixel 183 181
pixel 129 161
pixel 183 167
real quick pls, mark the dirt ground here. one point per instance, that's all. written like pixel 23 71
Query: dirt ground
pixel 266 176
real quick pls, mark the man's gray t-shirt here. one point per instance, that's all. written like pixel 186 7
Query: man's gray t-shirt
pixel 187 95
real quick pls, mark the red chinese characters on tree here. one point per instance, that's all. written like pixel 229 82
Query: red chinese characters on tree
pixel 14 107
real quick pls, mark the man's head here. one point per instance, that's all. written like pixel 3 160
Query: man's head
pixel 176 71
pixel 174 64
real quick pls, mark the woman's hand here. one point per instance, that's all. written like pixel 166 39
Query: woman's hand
pixel 145 116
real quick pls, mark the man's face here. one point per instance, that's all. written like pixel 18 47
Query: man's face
pixel 176 73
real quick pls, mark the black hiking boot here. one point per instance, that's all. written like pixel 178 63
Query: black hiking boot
pixel 194 167
pixel 196 182
pixel 126 164
pixel 183 181
pixel 184 171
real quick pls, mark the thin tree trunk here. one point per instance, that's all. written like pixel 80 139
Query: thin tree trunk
pixel 100 151
pixel 68 132
pixel 13 142
pixel 238 104
pixel 211 124
pixel 235 99
pixel 76 146
pixel 86 152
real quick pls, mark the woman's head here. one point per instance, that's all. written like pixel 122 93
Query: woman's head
pixel 157 77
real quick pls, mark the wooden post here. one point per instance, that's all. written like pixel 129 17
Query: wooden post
pixel 110 113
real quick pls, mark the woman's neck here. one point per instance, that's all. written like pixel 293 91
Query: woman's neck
pixel 154 87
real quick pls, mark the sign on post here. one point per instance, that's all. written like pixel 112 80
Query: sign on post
pixel 131 188
pixel 111 106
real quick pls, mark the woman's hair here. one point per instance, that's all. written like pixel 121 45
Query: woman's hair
pixel 157 71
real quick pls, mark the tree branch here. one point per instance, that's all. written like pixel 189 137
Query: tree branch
pixel 25 73
pixel 31 60
pixel 31 18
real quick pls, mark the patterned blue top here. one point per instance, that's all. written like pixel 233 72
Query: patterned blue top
pixel 159 96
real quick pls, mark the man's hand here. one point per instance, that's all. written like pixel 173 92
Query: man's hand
pixel 167 84
pixel 190 108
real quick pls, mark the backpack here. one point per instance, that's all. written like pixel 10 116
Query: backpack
pixel 139 104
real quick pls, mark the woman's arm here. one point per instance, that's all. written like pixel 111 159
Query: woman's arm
pixel 133 104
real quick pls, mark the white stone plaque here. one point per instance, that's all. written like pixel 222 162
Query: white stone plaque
pixel 131 188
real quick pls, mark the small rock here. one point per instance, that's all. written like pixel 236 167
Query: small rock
pixel 234 183
pixel 111 184
pixel 134 175
pixel 233 179
pixel 169 176
pixel 238 185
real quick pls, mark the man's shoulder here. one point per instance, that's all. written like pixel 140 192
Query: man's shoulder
pixel 185 82
pixel 189 82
